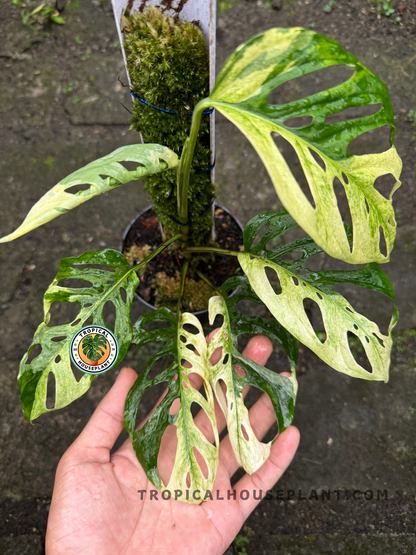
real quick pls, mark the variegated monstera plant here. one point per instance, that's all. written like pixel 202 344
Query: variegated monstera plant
pixel 254 70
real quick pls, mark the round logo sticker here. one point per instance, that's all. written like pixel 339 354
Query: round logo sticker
pixel 94 349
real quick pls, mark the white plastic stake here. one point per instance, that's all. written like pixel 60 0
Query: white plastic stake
pixel 202 11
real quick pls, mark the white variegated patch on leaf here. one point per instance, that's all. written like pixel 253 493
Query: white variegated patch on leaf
pixel 248 450
pixel 264 63
pixel 189 352
pixel 102 175
pixel 296 283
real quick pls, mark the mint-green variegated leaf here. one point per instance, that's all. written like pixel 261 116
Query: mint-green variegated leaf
pixel 107 283
pixel 249 451
pixel 279 55
pixel 186 347
pixel 102 175
pixel 298 283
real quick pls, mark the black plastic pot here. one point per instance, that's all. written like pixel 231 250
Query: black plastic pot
pixel 139 215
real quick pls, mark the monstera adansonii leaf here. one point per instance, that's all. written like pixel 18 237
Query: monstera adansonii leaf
pixel 111 280
pixel 240 94
pixel 102 175
pixel 249 451
pixel 189 352
pixel 297 283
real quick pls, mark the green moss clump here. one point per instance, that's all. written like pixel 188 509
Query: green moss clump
pixel 168 63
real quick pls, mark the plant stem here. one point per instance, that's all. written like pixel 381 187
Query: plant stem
pixel 156 252
pixel 184 166
pixel 212 249
pixel 182 287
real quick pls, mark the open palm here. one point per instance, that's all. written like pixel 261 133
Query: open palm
pixel 96 505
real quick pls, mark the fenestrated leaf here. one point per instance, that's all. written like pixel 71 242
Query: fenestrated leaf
pixel 107 282
pixel 185 346
pixel 279 55
pixel 249 451
pixel 298 283
pixel 102 175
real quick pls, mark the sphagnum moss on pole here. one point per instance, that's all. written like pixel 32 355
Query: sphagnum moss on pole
pixel 168 64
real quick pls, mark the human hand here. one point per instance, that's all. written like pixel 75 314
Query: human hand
pixel 96 508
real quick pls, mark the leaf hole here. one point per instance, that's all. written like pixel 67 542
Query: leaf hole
pixel 375 141
pixel 292 159
pixel 188 480
pixel 201 462
pixel 295 280
pixel 207 431
pixel 353 112
pixel 61 313
pixel 159 366
pixel 318 159
pixel 87 305
pixel 158 325
pixel 130 165
pixel 220 391
pixel 274 280
pixel 190 328
pixel 78 189
pixel 176 405
pixel 349 309
pixel 78 374
pixel 313 83
pixel 314 315
pixel 184 384
pixel 182 338
pixel 382 242
pixel 123 295
pixel 74 283
pixel 109 315
pixel 296 255
pixel 367 206
pixel 93 267
pixel 33 351
pixel 299 123
pixel 358 352
pixel 191 347
pixel 244 432
pixel 58 339
pixel 355 327
pixel 149 398
pixel 218 321
pixel 50 391
pixel 384 184
pixel 319 296
pixel 77 321
pixel 195 380
pixel 58 359
pixel 345 178
pixel 379 340
pixel 168 445
pixel 342 201
pixel 260 234
pixel 225 360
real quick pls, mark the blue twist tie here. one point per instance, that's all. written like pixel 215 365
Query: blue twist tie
pixel 165 110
